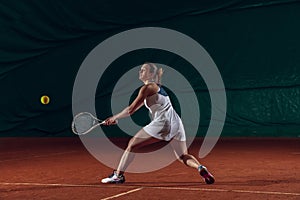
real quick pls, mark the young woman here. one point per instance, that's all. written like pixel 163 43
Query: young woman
pixel 165 125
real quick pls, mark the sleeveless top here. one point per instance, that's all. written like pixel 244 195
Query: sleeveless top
pixel 158 102
pixel 165 124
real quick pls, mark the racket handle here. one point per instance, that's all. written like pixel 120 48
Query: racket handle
pixel 114 123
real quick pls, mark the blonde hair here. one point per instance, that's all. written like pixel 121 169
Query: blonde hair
pixel 157 72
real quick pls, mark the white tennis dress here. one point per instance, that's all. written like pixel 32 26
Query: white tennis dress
pixel 165 124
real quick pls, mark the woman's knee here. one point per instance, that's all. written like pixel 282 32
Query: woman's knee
pixel 182 157
pixel 132 146
pixel 185 157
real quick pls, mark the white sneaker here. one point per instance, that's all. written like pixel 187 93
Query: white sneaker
pixel 114 178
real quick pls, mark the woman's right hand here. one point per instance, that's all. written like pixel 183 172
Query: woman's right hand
pixel 110 121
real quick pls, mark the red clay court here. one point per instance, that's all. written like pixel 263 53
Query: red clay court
pixel 61 168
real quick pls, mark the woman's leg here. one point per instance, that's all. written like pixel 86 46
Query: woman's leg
pixel 140 140
pixel 181 152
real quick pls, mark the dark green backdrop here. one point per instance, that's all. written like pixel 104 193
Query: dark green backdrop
pixel 255 44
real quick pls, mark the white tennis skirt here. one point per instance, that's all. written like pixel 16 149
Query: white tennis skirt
pixel 166 126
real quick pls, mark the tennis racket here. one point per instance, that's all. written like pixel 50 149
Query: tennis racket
pixel 85 122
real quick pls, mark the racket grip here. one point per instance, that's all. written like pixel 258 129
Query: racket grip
pixel 115 122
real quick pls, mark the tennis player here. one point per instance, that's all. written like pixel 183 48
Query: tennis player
pixel 165 125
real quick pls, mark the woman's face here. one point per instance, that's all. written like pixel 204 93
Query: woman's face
pixel 144 73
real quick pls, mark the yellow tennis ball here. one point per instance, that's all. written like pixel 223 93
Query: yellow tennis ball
pixel 45 99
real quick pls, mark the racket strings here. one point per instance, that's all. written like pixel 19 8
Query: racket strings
pixel 83 123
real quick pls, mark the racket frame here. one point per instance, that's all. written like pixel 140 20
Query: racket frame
pixel 97 123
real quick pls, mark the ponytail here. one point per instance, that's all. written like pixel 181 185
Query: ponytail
pixel 159 74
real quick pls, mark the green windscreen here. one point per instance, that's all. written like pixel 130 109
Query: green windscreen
pixel 255 45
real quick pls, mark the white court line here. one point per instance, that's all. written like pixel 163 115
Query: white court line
pixel 154 187
pixel 12 152
pixel 225 190
pixel 37 156
pixel 50 185
pixel 123 193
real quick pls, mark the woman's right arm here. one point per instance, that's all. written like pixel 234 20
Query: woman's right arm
pixel 133 107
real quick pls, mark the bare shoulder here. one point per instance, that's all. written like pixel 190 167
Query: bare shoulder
pixel 149 89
